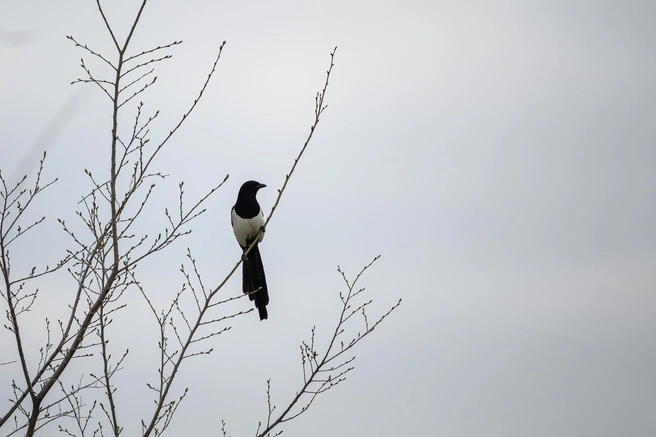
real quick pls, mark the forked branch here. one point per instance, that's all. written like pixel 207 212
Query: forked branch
pixel 321 372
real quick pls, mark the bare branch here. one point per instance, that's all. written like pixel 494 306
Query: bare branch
pixel 109 28
pixel 145 52
pixel 137 80
pixel 313 366
pixel 143 64
pixel 99 82
pixel 143 88
pixel 85 47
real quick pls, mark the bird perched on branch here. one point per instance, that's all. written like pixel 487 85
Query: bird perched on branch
pixel 247 221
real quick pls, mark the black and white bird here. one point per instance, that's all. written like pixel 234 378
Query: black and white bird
pixel 247 220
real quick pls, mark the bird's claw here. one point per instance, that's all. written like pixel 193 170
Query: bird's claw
pixel 244 258
pixel 262 229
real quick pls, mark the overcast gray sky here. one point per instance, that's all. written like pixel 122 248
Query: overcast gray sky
pixel 499 155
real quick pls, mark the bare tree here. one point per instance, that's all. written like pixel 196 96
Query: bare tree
pixel 103 265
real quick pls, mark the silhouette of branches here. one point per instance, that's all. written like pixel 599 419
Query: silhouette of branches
pixel 100 269
pixel 325 370
pixel 108 246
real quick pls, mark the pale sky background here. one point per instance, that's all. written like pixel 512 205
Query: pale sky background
pixel 499 155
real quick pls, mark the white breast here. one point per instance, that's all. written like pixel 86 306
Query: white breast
pixel 246 229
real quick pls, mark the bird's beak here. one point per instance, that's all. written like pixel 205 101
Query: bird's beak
pixel 260 186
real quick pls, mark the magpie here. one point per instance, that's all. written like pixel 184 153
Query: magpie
pixel 247 220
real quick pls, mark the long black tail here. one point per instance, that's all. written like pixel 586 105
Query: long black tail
pixel 253 279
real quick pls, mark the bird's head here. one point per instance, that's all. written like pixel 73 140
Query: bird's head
pixel 250 188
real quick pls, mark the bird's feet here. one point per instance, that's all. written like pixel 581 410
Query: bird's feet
pixel 262 229
pixel 244 258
